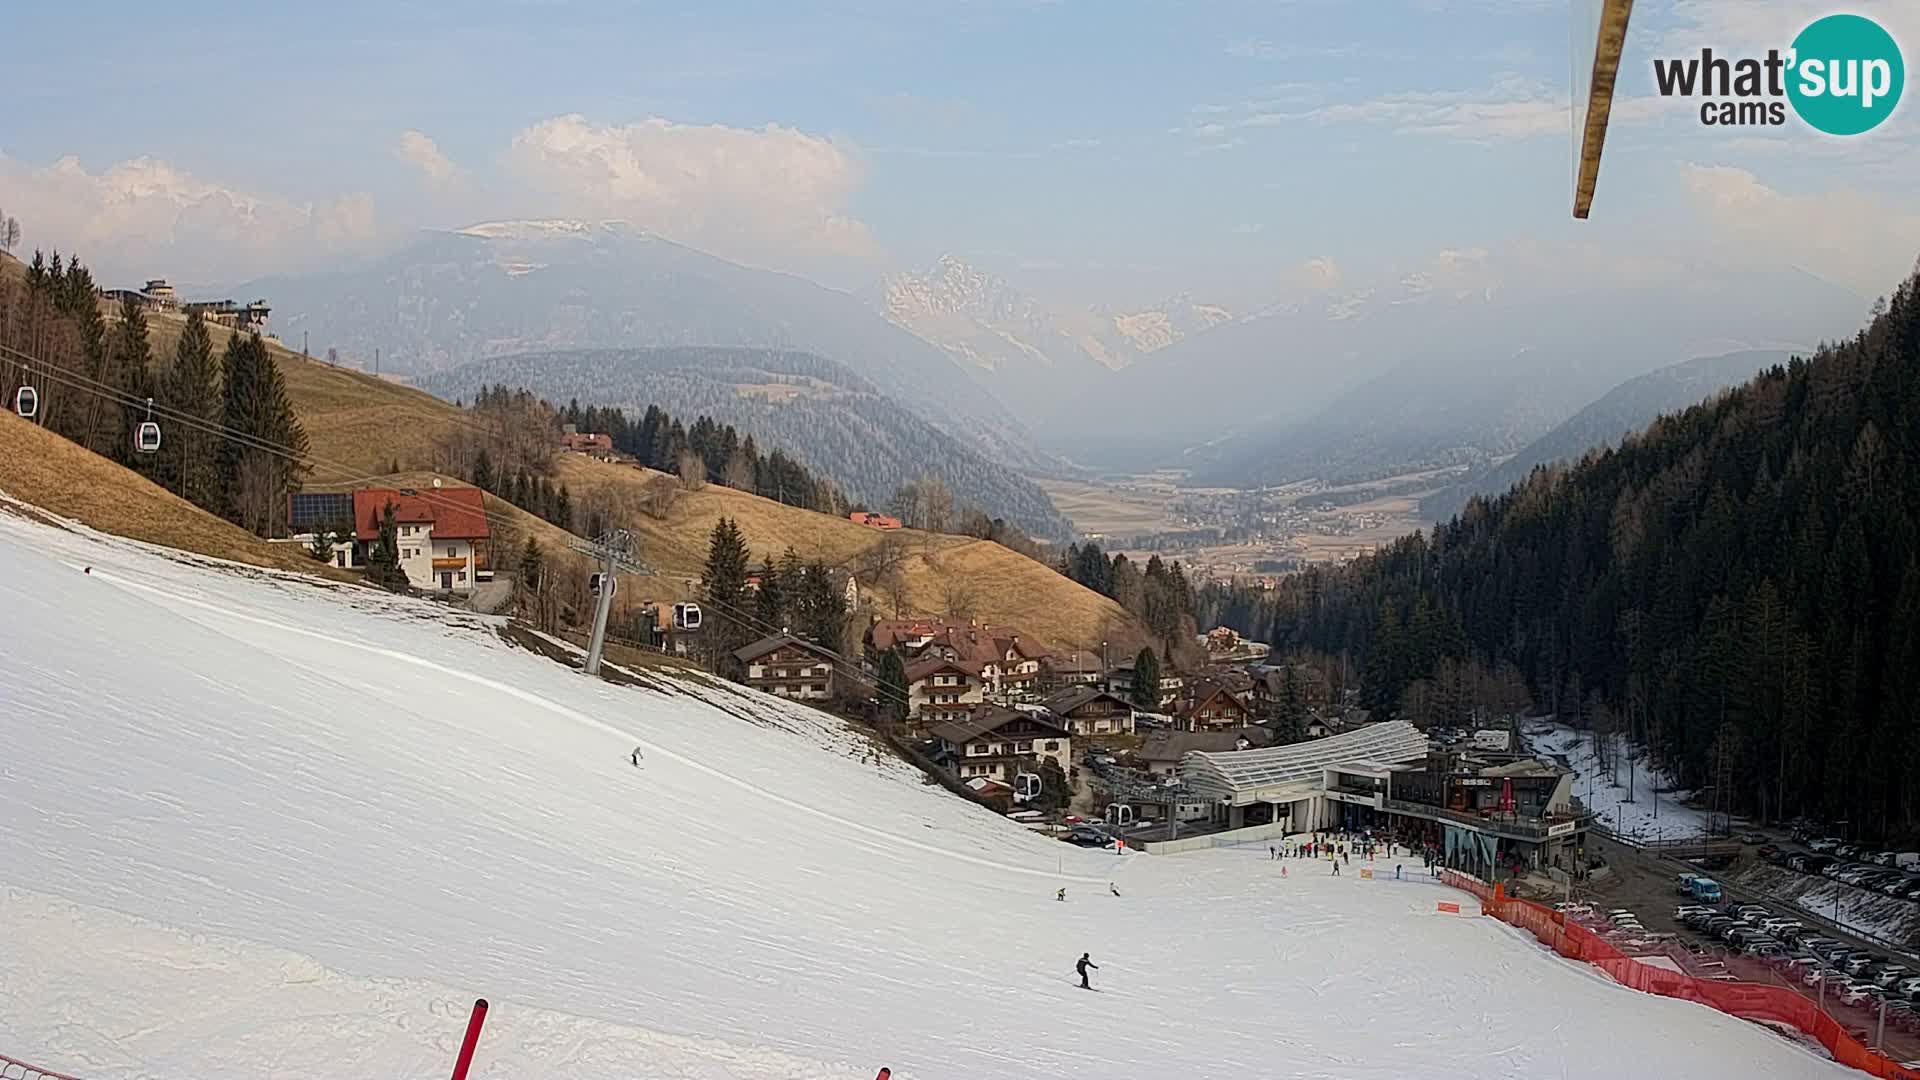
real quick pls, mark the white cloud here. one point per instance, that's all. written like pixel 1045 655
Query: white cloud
pixel 419 150
pixel 1511 108
pixel 767 195
pixel 148 218
pixel 1851 237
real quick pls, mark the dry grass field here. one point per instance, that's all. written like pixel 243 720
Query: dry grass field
pixel 939 573
pixel 1102 510
pixel 359 426
pixel 40 467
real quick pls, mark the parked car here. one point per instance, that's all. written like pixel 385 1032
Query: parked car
pixel 1859 963
pixel 1753 838
pixel 1769 852
pixel 1754 916
pixel 1853 994
pixel 1890 975
pixel 1824 844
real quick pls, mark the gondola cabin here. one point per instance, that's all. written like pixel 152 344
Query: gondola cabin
pixel 26 402
pixel 146 438
pixel 686 616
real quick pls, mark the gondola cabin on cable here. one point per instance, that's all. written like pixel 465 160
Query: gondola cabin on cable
pixel 594 580
pixel 26 402
pixel 686 616
pixel 146 437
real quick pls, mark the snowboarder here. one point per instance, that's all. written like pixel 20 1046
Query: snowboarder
pixel 1112 889
pixel 1062 894
pixel 884 1074
pixel 1081 967
pixel 1336 867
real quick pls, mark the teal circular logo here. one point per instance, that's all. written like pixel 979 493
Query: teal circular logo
pixel 1846 74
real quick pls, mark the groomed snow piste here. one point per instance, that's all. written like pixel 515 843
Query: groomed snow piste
pixel 251 827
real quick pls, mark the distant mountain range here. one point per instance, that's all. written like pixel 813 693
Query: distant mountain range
pixel 1464 384
pixel 1626 408
pixel 1037 358
pixel 510 287
pixel 1331 385
pixel 833 421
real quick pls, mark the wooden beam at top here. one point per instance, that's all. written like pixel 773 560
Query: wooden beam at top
pixel 1606 67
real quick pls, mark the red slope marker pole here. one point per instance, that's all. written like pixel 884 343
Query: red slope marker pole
pixel 465 1059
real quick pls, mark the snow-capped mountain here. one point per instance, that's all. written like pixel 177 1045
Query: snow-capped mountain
pixel 1029 352
pixel 505 287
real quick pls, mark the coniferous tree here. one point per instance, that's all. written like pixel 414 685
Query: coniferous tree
pixel 821 607
pixel 1146 680
pixel 383 558
pixel 190 453
pixel 133 375
pixel 259 463
pixel 723 595
pixel 483 471
pixel 892 681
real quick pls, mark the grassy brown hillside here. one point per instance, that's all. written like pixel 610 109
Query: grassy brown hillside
pixel 359 426
pixel 938 572
pixel 39 467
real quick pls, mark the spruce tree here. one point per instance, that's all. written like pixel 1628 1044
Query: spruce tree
pixel 1146 680
pixel 383 559
pixel 722 591
pixel 132 369
pixel 260 459
pixel 192 387
pixel 822 608
pixel 483 471
pixel 893 685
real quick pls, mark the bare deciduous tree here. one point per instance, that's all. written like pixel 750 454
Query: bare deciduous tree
pixel 693 471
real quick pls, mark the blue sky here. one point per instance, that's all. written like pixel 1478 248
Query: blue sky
pixel 1095 152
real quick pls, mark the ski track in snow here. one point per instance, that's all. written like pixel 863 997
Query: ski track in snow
pixel 253 827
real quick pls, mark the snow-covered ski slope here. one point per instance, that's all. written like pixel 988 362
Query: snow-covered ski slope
pixel 251 827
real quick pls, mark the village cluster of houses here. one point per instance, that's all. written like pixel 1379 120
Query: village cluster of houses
pixel 991 703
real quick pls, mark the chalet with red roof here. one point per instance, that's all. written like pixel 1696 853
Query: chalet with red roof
pixel 441 533
pixel 1007 661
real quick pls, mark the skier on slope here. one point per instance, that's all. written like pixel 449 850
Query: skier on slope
pixel 1113 889
pixel 636 757
pixel 1062 894
pixel 1086 962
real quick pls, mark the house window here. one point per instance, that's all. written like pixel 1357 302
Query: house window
pixel 978 749
pixel 1024 748
pixel 1053 744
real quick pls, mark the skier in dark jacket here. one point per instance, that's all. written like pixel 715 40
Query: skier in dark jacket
pixel 1081 967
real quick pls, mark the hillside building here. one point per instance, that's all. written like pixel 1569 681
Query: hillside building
pixel 441 534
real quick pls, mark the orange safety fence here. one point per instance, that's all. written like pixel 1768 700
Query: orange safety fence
pixel 1754 1001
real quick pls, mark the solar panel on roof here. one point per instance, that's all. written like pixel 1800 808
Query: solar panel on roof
pixel 308 510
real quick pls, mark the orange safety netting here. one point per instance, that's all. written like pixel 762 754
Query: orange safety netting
pixel 1752 1001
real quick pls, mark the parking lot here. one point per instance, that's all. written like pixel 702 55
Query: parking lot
pixel 1641 911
